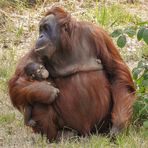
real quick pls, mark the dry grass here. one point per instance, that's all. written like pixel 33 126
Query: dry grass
pixel 18 28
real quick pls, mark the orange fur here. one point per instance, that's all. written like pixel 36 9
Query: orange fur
pixel 86 99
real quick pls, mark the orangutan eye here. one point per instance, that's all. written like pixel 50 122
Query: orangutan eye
pixel 46 27
pixel 40 29
pixel 33 76
pixel 38 71
pixel 41 67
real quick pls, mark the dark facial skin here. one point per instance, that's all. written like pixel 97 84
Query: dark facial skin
pixel 36 71
pixel 47 42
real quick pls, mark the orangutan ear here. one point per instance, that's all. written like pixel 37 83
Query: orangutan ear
pixel 65 21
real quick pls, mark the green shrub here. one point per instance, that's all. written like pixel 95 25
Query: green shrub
pixel 140 75
pixel 121 34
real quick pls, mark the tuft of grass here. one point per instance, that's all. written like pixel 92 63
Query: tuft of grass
pixel 12 4
pixel 7 66
pixel 109 16
pixel 133 139
pixel 5 3
pixel 115 15
pixel 7 119
pixel 19 31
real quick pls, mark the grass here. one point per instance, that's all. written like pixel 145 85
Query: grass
pixel 7 66
pixel 7 119
pixel 134 139
pixel 18 28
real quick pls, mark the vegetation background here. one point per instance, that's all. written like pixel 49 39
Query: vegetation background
pixel 126 22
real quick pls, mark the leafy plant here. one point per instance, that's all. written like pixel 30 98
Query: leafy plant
pixel 121 34
pixel 140 75
pixel 143 34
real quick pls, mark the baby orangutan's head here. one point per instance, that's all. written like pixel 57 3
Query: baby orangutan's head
pixel 36 71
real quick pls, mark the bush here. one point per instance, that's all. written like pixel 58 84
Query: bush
pixel 140 75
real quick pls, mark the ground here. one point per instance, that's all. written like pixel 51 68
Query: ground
pixel 19 30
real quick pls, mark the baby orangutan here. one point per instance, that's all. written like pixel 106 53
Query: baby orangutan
pixel 36 71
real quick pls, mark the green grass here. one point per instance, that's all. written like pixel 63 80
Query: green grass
pixel 110 16
pixel 7 67
pixel 7 118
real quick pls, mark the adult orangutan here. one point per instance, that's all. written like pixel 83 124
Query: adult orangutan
pixel 89 95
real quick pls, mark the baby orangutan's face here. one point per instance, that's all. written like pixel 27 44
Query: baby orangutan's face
pixel 41 73
pixel 36 71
